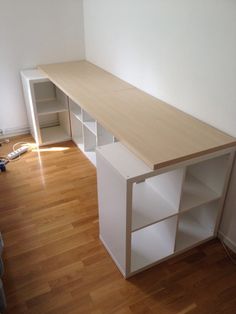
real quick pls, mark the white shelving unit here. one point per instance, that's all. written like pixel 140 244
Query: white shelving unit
pixel 87 133
pixel 47 109
pixel 54 117
pixel 146 215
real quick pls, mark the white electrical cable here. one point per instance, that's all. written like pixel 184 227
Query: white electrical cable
pixel 14 149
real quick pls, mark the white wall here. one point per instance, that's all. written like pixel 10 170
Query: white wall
pixel 34 32
pixel 182 51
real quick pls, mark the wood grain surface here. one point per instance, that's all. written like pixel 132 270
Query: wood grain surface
pixel 156 132
pixel 55 263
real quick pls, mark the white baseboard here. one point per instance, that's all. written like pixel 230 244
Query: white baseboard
pixel 10 132
pixel 231 244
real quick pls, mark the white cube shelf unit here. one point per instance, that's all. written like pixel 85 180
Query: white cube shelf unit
pixel 147 215
pixel 54 117
pixel 87 133
pixel 47 108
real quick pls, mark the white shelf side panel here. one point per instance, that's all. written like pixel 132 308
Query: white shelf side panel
pixel 149 206
pixel 152 244
pixel 195 193
pixel 196 225
pixel 27 76
pixel 112 199
pixel 76 130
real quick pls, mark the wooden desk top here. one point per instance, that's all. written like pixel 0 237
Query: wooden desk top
pixel 156 132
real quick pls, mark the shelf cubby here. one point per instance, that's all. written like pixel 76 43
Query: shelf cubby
pixel 196 225
pixel 89 122
pixel 49 99
pixel 89 139
pixel 44 90
pixel 156 198
pixel 50 106
pixel 58 131
pixel 146 214
pixel 204 182
pixel 75 109
pixel 153 243
pixel 90 142
pixel 76 130
pixel 103 136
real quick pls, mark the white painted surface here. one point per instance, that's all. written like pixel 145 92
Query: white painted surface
pixel 125 162
pixel 75 109
pixel 180 51
pixel 212 172
pixel 196 225
pixel 76 129
pixel 51 106
pixel 103 136
pixel 195 193
pixel 112 198
pixel 34 32
pixel 153 243
pixel 149 206
pixel 91 126
pixel 55 134
pixel 89 140
pixel 169 185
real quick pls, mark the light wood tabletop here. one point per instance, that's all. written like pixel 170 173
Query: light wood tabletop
pixel 156 132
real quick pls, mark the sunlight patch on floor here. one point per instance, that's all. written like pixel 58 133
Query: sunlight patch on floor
pixel 50 149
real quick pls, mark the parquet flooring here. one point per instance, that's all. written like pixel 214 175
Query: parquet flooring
pixel 55 263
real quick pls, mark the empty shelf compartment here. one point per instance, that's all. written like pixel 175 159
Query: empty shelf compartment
pixel 153 243
pixel 196 225
pixel 75 109
pixel 149 206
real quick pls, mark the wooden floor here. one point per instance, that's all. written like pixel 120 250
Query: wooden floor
pixel 55 262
